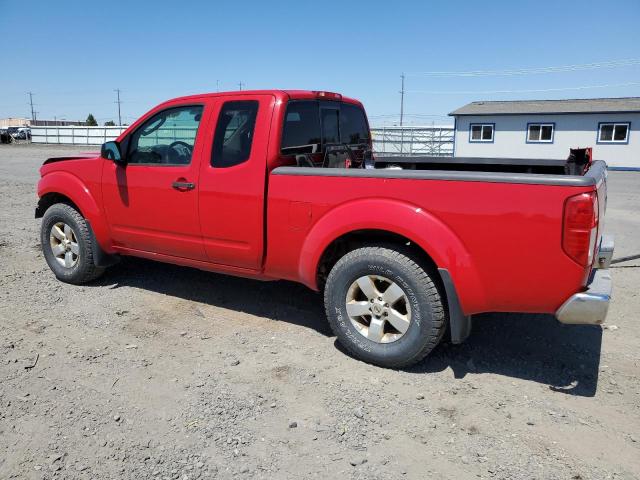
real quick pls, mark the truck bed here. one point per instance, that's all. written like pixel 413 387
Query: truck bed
pixel 475 164
pixel 462 169
pixel 491 230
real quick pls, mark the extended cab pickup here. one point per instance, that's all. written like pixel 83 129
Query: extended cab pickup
pixel 282 185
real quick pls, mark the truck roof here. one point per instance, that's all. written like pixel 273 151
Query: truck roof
pixel 280 94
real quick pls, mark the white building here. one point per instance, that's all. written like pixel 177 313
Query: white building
pixel 549 128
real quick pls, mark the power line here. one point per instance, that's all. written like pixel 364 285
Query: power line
pixel 536 90
pixel 532 71
pixel 117 90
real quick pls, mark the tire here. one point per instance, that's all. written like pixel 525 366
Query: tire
pixel 424 312
pixel 77 244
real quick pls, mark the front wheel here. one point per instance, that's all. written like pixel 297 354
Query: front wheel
pixel 67 245
pixel 384 307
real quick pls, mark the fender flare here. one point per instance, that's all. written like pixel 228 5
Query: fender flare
pixel 401 218
pixel 67 184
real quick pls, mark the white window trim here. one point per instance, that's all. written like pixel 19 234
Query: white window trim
pixel 613 134
pixel 553 132
pixel 482 125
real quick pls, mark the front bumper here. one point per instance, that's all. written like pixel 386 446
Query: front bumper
pixel 590 307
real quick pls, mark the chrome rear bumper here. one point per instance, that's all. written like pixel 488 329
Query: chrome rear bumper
pixel 590 307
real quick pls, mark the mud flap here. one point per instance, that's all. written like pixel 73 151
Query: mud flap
pixel 100 257
pixel 459 323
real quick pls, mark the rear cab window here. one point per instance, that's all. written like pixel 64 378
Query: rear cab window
pixel 311 125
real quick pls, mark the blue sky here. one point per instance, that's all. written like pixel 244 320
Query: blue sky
pixel 73 54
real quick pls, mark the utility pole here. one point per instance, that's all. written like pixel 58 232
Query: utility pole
pixel 401 113
pixel 240 84
pixel 117 90
pixel 217 85
pixel 402 100
pixel 33 113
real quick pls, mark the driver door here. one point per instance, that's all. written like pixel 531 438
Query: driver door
pixel 152 202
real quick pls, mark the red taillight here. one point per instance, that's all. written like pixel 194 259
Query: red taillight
pixel 580 227
pixel 328 95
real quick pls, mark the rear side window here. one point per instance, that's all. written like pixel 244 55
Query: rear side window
pixel 234 133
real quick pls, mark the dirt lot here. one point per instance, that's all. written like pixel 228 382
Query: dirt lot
pixel 158 371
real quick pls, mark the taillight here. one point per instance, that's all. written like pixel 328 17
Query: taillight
pixel 580 227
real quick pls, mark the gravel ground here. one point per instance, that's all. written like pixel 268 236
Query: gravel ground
pixel 158 371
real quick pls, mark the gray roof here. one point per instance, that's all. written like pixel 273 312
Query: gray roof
pixel 583 105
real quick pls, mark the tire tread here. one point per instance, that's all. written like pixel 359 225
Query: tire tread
pixel 88 270
pixel 406 260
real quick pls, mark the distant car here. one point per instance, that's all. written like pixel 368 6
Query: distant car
pixel 24 133
pixel 20 133
pixel 5 136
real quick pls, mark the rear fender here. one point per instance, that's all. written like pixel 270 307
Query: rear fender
pixel 72 187
pixel 405 219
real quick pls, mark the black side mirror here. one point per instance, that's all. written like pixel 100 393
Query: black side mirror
pixel 111 151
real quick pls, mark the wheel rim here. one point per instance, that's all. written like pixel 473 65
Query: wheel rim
pixel 64 245
pixel 378 308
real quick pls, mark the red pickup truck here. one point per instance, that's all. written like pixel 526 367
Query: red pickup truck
pixel 282 185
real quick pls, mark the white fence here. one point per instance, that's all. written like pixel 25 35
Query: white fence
pixel 75 135
pixel 434 141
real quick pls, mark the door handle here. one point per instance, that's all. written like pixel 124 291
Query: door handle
pixel 183 186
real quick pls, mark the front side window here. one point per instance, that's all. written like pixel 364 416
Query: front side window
pixel 234 133
pixel 613 132
pixel 167 138
pixel 309 125
pixel 481 132
pixel 540 132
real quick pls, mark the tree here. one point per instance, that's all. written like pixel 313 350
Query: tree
pixel 91 121
pixel 110 123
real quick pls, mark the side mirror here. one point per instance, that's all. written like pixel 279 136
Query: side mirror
pixel 111 151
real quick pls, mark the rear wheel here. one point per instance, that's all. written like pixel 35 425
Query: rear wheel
pixel 384 307
pixel 67 245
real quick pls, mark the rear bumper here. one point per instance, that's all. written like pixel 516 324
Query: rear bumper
pixel 589 307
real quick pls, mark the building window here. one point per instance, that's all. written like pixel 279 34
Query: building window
pixel 540 132
pixel 613 132
pixel 481 132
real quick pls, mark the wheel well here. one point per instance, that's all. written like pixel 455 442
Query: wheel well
pixel 52 198
pixel 362 238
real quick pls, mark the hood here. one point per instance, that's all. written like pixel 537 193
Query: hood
pixel 80 156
